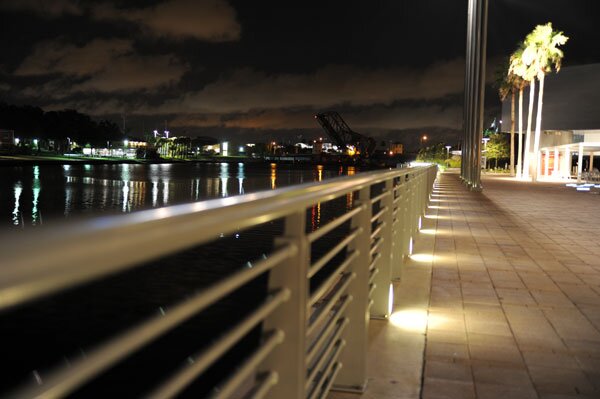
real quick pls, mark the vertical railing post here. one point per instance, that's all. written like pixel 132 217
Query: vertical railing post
pixel 397 243
pixel 405 218
pixel 288 360
pixel 382 301
pixel 353 375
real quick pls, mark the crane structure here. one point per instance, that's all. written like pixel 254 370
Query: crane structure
pixel 344 137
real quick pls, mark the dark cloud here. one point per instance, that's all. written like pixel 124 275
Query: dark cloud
pixel 98 66
pixel 43 8
pixel 247 89
pixel 208 20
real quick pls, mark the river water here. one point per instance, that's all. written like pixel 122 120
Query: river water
pixel 60 330
pixel 33 195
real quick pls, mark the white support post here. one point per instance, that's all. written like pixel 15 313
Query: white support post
pixel 556 166
pixel 406 227
pixel 288 360
pixel 382 301
pixel 579 162
pixel 353 374
pixel 401 242
pixel 568 161
pixel 591 167
pixel 547 163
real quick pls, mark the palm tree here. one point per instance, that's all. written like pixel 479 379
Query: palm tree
pixel 505 82
pixel 542 54
pixel 523 76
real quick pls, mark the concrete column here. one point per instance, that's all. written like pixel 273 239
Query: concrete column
pixel 591 168
pixel 580 162
pixel 556 167
pixel 547 163
pixel 474 91
pixel 567 160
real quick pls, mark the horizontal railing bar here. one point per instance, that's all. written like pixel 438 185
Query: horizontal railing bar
pixel 372 287
pixel 326 332
pixel 379 214
pixel 377 230
pixel 65 381
pixel 324 310
pixel 380 197
pixel 325 353
pixel 336 369
pixel 318 265
pixel 338 348
pixel 328 283
pixel 376 246
pixel 315 235
pixel 27 274
pixel 264 383
pixel 374 261
pixel 188 373
pixel 372 274
pixel 225 390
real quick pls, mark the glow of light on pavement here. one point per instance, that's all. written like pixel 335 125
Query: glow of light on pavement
pixel 430 232
pixel 415 320
pixel 423 257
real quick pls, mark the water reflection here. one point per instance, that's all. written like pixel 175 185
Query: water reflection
pixel 35 213
pixel 350 195
pixel 224 176
pixel 69 190
pixel 240 177
pixel 18 189
pixel 273 176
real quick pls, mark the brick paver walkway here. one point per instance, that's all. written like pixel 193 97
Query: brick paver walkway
pixel 515 294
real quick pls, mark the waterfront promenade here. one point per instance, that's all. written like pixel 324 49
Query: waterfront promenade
pixel 501 298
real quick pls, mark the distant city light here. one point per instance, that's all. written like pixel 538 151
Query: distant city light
pixel 17 140
pixel 241 149
pixel 126 143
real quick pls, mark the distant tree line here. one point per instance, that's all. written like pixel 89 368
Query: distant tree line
pixel 30 122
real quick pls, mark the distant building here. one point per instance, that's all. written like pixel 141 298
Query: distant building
pixel 397 148
pixel 7 138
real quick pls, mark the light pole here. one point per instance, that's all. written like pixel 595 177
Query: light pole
pixel 448 151
pixel 485 141
pixel 423 139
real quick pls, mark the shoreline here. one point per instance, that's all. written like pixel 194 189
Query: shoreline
pixel 16 161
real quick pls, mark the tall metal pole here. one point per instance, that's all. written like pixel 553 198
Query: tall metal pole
pixel 474 92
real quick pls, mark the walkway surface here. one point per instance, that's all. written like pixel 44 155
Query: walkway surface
pixel 511 281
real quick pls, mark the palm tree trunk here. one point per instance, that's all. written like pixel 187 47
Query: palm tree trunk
pixel 538 128
pixel 527 156
pixel 520 156
pixel 512 132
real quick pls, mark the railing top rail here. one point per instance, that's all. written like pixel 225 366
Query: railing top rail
pixel 38 259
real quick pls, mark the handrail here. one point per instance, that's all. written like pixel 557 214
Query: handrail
pixel 324 317
pixel 27 275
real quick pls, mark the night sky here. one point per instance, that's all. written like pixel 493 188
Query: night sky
pixel 254 70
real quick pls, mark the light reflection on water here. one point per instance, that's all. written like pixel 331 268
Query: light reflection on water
pixel 38 194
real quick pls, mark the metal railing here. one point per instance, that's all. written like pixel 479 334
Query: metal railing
pixel 304 331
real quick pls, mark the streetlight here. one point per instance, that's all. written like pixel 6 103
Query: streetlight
pixel 448 151
pixel 423 138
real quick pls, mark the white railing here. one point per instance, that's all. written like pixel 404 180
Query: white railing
pixel 304 333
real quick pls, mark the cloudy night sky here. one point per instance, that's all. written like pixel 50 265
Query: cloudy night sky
pixel 259 70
